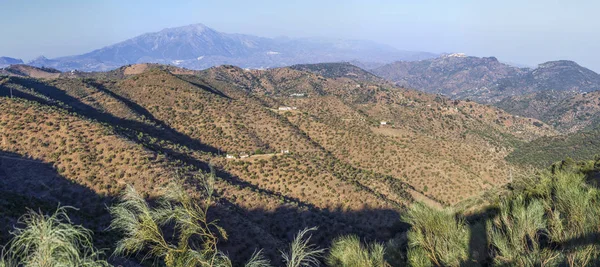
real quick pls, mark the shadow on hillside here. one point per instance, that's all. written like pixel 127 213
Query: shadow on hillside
pixel 279 226
pixel 160 131
pixel 208 89
pixel 166 133
pixel 32 184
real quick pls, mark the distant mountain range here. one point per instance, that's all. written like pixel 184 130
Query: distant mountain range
pixel 200 47
pixel 7 61
pixel 486 80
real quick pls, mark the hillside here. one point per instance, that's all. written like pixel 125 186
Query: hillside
pixel 547 150
pixel 338 70
pixel 343 116
pixel 567 111
pixel 303 149
pixel 197 46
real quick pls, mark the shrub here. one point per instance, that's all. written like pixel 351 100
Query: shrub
pixel 301 253
pixel 347 251
pixel 51 240
pixel 437 237
pixel 515 234
pixel 142 224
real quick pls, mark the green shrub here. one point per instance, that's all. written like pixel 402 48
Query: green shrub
pixel 51 240
pixel 436 237
pixel 347 251
pixel 515 234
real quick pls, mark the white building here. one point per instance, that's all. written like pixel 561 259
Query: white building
pixel 383 123
pixel 243 156
pixel 285 151
pixel 230 156
pixel 288 108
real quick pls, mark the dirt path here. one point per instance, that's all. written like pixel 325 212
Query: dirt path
pixel 424 199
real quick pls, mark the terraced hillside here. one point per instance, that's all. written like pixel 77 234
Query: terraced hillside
pixel 344 117
pixel 291 148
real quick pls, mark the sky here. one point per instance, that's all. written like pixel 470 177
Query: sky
pixel 526 32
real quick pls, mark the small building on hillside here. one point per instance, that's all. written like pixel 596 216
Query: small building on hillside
pixel 243 156
pixel 285 151
pixel 297 95
pixel 229 156
pixel 383 123
pixel 287 108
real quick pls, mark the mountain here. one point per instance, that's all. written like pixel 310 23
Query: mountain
pixel 486 80
pixel 7 61
pixel 200 47
pixel 291 147
pixel 456 75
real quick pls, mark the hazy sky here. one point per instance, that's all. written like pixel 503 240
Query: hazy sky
pixel 525 31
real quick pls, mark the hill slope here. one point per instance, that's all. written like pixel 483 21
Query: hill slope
pixel 568 112
pixel 304 149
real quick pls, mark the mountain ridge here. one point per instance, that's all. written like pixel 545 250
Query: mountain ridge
pixel 197 46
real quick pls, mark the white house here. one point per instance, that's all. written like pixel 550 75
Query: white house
pixel 285 151
pixel 297 95
pixel 287 108
pixel 230 156
pixel 383 122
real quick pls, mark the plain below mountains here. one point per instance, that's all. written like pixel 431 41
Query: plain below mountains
pixel 200 47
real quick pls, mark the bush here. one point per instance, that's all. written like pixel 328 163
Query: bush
pixel 436 237
pixel 347 251
pixel 51 240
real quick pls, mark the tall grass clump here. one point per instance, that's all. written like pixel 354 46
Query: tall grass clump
pixel 301 253
pixel 516 232
pixel 436 237
pixel 574 217
pixel 347 251
pixel 51 241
